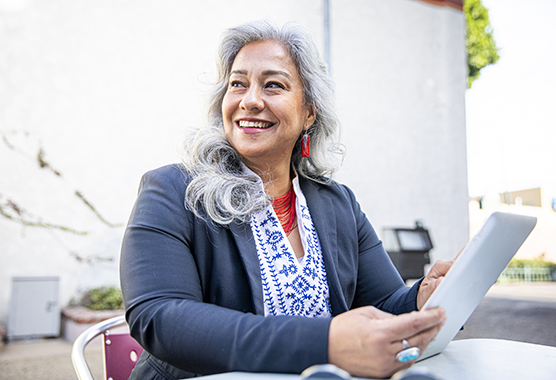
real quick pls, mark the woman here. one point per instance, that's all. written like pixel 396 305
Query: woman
pixel 248 257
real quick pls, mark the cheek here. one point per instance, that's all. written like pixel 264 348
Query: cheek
pixel 225 107
pixel 227 113
pixel 297 112
pixel 229 105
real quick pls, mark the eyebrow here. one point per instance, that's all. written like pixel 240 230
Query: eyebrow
pixel 266 73
pixel 277 72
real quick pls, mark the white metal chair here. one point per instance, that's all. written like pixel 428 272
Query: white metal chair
pixel 120 350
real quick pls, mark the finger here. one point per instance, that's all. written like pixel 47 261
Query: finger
pixel 440 268
pixel 408 325
pixel 433 284
pixel 374 313
pixel 422 340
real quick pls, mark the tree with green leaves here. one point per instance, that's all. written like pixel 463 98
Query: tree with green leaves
pixel 481 47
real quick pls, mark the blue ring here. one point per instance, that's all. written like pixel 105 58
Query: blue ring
pixel 408 354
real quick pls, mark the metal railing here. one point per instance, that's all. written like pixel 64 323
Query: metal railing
pixel 527 274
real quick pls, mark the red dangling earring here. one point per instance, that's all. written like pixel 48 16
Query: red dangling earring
pixel 306 145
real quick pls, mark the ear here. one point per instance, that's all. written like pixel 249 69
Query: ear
pixel 311 116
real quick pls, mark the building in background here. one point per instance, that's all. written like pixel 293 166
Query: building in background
pixel 93 94
pixel 539 202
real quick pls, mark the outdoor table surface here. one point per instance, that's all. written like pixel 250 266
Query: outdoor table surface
pixel 476 359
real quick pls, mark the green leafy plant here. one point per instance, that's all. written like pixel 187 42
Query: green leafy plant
pixel 534 263
pixel 481 47
pixel 103 298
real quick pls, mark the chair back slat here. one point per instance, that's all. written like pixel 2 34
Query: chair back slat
pixel 120 350
pixel 121 353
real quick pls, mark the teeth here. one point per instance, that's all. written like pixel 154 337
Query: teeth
pixel 254 124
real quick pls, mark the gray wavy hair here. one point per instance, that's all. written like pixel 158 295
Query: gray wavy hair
pixel 220 189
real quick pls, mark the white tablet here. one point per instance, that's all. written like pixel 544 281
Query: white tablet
pixel 475 270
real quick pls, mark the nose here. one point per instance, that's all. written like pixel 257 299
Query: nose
pixel 252 100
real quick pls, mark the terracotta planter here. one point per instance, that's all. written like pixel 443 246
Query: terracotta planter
pixel 3 334
pixel 76 319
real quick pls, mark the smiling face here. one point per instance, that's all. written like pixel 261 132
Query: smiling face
pixel 263 108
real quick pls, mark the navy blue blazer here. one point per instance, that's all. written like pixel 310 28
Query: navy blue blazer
pixel 193 292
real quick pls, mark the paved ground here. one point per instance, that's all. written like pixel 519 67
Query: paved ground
pixel 45 359
pixel 523 312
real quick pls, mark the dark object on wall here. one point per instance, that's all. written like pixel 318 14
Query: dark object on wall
pixel 409 249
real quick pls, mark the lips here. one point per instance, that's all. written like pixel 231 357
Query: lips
pixel 254 124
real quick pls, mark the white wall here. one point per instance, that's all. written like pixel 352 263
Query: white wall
pixel 107 88
pixel 400 70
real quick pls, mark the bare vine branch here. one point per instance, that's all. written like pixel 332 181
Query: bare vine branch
pixel 94 210
pixel 43 164
pixel 12 211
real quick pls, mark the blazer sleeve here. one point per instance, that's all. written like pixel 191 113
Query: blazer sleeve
pixel 163 295
pixel 378 282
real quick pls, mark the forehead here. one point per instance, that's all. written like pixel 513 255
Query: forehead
pixel 264 55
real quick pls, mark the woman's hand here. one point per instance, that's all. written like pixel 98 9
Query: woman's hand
pixel 432 280
pixel 365 341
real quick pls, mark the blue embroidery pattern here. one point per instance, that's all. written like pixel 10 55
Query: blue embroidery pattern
pixel 290 287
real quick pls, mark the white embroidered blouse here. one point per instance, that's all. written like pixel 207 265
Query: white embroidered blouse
pixel 291 286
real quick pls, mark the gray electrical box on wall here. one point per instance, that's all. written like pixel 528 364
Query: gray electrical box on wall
pixel 34 308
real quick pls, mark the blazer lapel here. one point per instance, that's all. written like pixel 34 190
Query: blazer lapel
pixel 322 212
pixel 248 252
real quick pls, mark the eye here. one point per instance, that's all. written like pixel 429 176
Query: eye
pixel 275 85
pixel 236 83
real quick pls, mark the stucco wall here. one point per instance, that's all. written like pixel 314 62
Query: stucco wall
pixel 400 71
pixel 106 89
